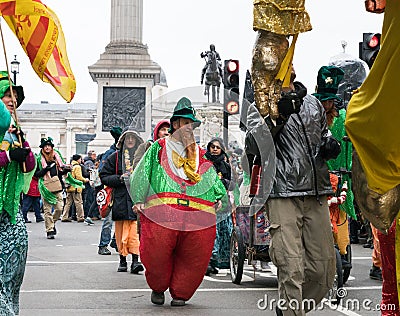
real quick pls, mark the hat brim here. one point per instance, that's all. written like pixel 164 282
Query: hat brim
pixel 196 122
pixel 327 96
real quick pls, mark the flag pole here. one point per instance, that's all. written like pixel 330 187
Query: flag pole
pixel 12 94
pixel 9 80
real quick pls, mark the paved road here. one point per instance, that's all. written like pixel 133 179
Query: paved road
pixel 66 276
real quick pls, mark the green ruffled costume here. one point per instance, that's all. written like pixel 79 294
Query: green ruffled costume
pixel 13 234
pixel 343 160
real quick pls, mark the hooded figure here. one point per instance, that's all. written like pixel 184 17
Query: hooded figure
pixel 115 174
pixel 161 130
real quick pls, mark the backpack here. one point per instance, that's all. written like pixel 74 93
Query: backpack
pixel 85 172
pixel 104 198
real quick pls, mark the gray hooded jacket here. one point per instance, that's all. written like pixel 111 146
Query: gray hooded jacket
pixel 300 170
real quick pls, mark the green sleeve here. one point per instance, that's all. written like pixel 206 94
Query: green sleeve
pixel 141 176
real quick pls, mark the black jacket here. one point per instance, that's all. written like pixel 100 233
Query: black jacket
pixel 122 206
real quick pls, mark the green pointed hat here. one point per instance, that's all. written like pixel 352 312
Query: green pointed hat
pixel 5 85
pixel 328 81
pixel 184 109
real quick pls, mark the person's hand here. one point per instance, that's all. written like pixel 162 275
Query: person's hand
pixel 218 205
pixel 138 207
pixel 288 104
pixel 19 154
pixel 17 131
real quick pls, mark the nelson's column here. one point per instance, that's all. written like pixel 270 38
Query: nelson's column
pixel 125 75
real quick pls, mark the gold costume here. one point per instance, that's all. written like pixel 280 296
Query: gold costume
pixel 285 17
pixel 274 20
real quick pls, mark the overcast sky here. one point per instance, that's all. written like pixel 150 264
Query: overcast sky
pixel 177 31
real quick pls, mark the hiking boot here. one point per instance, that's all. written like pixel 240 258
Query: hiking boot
pixel 375 273
pixel 66 220
pixel 136 267
pixel 177 302
pixel 88 221
pixel 50 235
pixel 104 251
pixel 27 221
pixel 157 298
pixel 80 220
pixel 123 265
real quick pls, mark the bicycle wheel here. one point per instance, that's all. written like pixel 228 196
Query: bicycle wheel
pixel 237 255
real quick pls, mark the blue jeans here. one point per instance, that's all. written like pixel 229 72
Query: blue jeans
pixel 105 236
pixel 29 201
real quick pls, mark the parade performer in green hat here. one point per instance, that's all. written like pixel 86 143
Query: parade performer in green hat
pixel 17 164
pixel 328 80
pixel 50 170
pixel 176 190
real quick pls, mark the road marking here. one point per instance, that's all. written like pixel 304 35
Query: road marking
pixel 339 308
pixel 235 289
pixel 361 258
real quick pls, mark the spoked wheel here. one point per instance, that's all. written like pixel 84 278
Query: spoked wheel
pixel 237 256
pixel 334 293
pixel 346 271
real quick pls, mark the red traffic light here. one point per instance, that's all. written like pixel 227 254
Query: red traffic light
pixel 374 41
pixel 233 66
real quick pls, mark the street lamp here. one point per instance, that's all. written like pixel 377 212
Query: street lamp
pixel 15 68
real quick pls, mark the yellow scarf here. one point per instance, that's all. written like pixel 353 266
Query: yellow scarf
pixel 189 166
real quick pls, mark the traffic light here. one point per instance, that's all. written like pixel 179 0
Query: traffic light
pixel 369 47
pixel 231 86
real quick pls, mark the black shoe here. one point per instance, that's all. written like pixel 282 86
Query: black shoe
pixel 123 267
pixel 354 240
pixel 278 311
pixel 113 244
pixel 157 298
pixel 50 235
pixel 375 273
pixel 28 221
pixel 177 302
pixel 40 219
pixel 368 245
pixel 209 270
pixel 136 267
pixel 104 251
pixel 345 263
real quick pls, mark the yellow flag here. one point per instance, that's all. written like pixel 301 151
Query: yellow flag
pixel 40 34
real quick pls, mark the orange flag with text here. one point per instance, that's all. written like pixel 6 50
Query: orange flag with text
pixel 40 34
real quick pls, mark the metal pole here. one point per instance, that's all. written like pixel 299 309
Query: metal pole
pixel 225 128
pixel 15 77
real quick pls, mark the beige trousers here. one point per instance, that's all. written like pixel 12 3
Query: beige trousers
pixel 76 197
pixel 51 218
pixel 302 249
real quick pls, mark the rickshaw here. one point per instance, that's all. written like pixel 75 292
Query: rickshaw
pixel 249 240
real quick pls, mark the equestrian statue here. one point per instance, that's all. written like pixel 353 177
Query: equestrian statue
pixel 213 73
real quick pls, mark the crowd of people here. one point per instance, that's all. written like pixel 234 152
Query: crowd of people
pixel 180 197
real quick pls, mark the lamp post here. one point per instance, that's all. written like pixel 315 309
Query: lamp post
pixel 15 68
